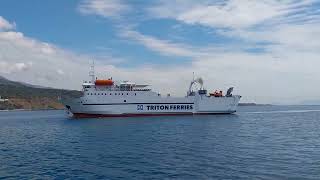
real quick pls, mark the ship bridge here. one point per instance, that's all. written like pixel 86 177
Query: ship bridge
pixel 130 86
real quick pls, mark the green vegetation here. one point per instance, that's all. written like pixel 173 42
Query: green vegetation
pixel 25 96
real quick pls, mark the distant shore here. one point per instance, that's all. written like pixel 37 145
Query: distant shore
pixel 253 104
pixel 9 110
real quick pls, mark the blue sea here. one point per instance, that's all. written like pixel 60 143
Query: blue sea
pixel 261 142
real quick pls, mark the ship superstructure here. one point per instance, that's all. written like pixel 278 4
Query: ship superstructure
pixel 104 98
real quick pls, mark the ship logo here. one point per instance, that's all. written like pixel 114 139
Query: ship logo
pixel 140 107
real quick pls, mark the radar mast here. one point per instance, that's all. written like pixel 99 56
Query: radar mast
pixel 91 73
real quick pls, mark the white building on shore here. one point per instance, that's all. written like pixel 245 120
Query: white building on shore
pixel 3 100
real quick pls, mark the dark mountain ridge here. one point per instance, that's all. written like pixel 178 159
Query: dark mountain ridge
pixel 27 96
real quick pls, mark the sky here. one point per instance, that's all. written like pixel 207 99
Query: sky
pixel 268 50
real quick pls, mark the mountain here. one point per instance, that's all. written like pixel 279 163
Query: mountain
pixel 5 81
pixel 27 96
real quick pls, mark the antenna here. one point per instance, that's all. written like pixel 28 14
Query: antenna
pixel 192 76
pixel 91 73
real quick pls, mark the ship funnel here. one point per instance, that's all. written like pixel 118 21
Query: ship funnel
pixel 229 92
pixel 195 81
pixel 200 81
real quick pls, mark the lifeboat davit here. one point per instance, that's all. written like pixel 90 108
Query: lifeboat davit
pixel 103 82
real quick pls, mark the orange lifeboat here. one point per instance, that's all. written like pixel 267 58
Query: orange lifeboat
pixel 103 82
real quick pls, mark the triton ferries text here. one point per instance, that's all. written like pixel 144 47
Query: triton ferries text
pixel 165 107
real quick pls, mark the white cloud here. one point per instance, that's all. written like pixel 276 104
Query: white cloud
pixel 233 14
pixel 105 8
pixel 7 68
pixel 6 25
pixel 282 39
pixel 164 47
pixel 28 60
pixel 279 75
pixel 283 74
pixel 60 72
pixel 288 25
pixel 258 77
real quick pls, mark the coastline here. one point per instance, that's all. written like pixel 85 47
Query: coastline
pixel 254 104
pixel 16 110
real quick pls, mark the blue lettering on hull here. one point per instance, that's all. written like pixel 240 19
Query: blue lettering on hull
pixel 140 107
pixel 165 107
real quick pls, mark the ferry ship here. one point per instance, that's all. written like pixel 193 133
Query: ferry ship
pixel 105 98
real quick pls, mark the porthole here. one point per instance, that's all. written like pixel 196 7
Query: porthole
pixel 135 94
pixel 115 93
pixel 110 94
pixel 127 93
pixel 124 100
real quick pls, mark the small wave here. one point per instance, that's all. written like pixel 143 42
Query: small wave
pixel 286 111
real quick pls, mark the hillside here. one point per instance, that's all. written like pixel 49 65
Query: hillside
pixel 25 96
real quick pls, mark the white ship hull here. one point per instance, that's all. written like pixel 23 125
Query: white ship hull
pixel 106 105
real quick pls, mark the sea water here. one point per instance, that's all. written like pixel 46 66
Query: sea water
pixel 258 142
